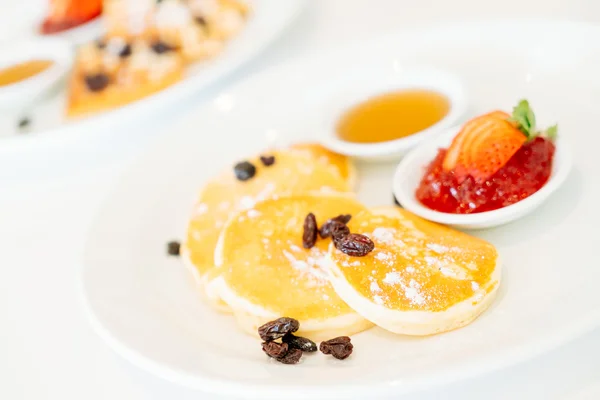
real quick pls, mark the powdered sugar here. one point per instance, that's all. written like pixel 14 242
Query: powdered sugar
pixel 392 278
pixel 384 235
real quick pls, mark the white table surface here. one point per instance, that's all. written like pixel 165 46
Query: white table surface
pixel 47 349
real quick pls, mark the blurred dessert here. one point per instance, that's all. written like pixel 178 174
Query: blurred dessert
pixel 146 47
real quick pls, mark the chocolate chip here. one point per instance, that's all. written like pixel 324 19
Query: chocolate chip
pixel 96 82
pixel 267 160
pixel 173 248
pixel 244 170
pixel 339 347
pixel 200 20
pixel 160 47
pixel 126 51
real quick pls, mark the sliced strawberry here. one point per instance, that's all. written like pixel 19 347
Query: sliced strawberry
pixel 483 146
pixel 493 147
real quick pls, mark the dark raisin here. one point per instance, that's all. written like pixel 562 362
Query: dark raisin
pixel 354 244
pixel 278 328
pixel 300 343
pixel 267 160
pixel 339 347
pixel 160 47
pixel 101 44
pixel 329 225
pixel 396 202
pixel 334 229
pixel 291 357
pixel 309 236
pixel 200 20
pixel 125 51
pixel 274 349
pixel 244 170
pixel 96 82
pixel 173 248
pixel 24 122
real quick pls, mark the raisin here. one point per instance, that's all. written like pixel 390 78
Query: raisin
pixel 291 357
pixel 173 248
pixel 200 20
pixel 96 82
pixel 354 244
pixel 160 47
pixel 244 170
pixel 278 328
pixel 101 44
pixel 267 160
pixel 125 51
pixel 339 347
pixel 24 122
pixel 274 349
pixel 335 223
pixel 300 343
pixel 309 236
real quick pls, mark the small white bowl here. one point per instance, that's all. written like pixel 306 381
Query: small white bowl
pixel 379 82
pixel 410 171
pixel 18 95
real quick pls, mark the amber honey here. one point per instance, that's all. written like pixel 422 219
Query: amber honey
pixel 392 116
pixel 19 72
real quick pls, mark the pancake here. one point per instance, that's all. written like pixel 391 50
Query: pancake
pixel 422 278
pixel 339 163
pixel 225 195
pixel 266 272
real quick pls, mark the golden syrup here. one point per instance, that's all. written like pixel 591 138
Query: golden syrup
pixel 19 72
pixel 392 116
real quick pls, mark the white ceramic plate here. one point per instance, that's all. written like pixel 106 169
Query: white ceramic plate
pixel 144 304
pixel 266 21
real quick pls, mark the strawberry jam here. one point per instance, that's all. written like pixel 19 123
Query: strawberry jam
pixel 524 174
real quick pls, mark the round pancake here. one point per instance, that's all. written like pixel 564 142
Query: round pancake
pixel 422 278
pixel 339 163
pixel 225 195
pixel 266 273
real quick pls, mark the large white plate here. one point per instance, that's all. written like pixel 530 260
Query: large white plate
pixel 267 20
pixel 145 305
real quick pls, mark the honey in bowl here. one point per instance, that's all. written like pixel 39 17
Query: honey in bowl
pixel 392 116
pixel 19 72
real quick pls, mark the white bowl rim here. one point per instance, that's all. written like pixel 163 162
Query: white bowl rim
pixel 457 97
pixel 561 168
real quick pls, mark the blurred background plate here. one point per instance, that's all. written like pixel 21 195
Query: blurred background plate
pixel 145 305
pixel 49 131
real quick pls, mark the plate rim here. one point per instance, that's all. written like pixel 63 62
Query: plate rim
pixel 231 387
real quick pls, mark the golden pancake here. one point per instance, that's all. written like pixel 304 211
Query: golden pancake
pixel 225 195
pixel 421 278
pixel 340 163
pixel 267 273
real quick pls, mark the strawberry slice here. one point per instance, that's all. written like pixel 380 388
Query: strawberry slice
pixel 483 146
pixel 493 147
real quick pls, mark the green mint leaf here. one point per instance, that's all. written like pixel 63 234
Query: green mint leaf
pixel 524 117
pixel 552 132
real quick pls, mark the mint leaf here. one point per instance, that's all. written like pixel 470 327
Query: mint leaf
pixel 525 118
pixel 552 132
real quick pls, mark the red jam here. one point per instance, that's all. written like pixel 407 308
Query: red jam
pixel 524 174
